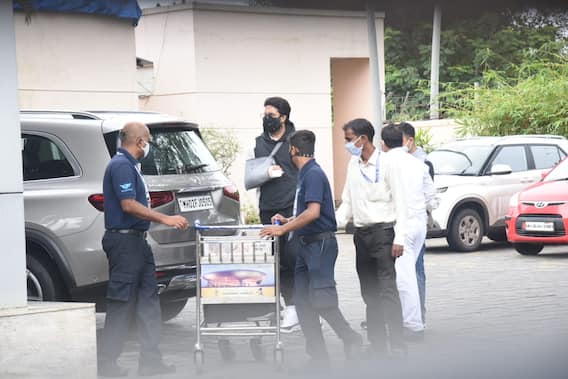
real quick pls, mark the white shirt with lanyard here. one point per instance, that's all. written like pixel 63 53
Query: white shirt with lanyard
pixel 367 168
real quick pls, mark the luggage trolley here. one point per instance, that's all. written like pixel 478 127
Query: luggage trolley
pixel 237 271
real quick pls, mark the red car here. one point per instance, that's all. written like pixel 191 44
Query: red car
pixel 538 215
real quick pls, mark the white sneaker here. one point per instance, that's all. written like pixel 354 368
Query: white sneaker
pixel 290 322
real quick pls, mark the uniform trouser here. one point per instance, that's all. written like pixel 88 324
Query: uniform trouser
pixel 406 279
pixel 316 295
pixel 132 293
pixel 421 278
pixel 377 277
pixel 287 256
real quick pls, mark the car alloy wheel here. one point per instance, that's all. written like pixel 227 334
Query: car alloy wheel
pixel 469 230
pixel 466 230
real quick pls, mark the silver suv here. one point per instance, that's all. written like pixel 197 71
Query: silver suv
pixel 64 159
pixel 476 177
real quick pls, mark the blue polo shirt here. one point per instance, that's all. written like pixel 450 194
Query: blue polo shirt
pixel 313 187
pixel 122 181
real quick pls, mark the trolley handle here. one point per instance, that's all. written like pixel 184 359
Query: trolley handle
pixel 198 226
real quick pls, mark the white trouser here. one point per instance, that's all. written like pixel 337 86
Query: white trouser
pixel 406 274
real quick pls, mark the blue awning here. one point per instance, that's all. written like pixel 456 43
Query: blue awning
pixel 127 9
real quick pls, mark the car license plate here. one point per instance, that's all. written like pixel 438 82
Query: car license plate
pixel 195 203
pixel 539 226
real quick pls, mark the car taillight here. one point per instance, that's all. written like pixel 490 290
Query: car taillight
pixel 160 274
pixel 98 201
pixel 231 192
pixel 160 198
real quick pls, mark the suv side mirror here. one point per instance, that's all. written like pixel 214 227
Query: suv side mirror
pixel 500 169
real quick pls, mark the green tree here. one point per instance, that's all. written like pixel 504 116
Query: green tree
pixel 224 146
pixel 497 42
pixel 533 101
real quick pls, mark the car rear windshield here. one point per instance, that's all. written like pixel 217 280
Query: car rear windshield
pixel 173 151
pixel 459 159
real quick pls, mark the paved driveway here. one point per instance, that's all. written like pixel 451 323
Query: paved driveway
pixel 492 313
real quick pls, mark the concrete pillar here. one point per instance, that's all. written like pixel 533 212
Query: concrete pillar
pixel 376 95
pixel 435 64
pixel 13 268
pixel 41 340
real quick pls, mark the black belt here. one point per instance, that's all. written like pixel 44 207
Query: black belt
pixel 379 225
pixel 316 237
pixel 135 232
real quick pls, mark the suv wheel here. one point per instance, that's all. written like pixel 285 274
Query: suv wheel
pixel 466 230
pixel 528 248
pixel 42 282
pixel 172 309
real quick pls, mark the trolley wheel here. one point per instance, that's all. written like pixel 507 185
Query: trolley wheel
pixel 227 352
pixel 278 358
pixel 198 360
pixel 256 349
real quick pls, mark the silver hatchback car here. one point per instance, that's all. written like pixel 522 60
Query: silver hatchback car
pixel 64 159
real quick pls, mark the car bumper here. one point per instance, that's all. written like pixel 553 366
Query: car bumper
pixel 176 282
pixel 516 233
pixel 435 231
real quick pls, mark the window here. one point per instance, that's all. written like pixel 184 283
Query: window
pixel 177 151
pixel 43 159
pixel 173 151
pixel 545 156
pixel 513 156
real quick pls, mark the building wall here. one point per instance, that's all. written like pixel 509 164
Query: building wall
pixel 242 56
pixel 351 93
pixel 75 61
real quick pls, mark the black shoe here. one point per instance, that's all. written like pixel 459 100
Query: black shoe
pixel 159 368
pixel 352 346
pixel 411 336
pixel 111 370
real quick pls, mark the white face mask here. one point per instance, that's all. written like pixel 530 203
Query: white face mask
pixel 354 149
pixel 146 149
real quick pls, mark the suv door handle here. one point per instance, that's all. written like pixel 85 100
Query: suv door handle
pixel 527 180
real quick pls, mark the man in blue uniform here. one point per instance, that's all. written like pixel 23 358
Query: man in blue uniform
pixel 132 287
pixel 314 227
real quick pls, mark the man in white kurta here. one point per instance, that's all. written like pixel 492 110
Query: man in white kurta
pixel 420 191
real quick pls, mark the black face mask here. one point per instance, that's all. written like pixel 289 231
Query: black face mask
pixel 271 124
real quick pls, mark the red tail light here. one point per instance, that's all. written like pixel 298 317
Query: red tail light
pixel 160 198
pixel 98 201
pixel 232 192
pixel 160 274
pixel 156 199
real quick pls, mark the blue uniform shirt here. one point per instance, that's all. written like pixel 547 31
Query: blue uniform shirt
pixel 313 187
pixel 122 181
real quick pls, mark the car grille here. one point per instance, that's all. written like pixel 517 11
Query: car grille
pixel 543 204
pixel 559 229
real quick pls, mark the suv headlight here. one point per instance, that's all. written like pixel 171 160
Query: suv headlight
pixel 513 202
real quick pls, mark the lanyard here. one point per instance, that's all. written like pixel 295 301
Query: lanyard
pixel 376 172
